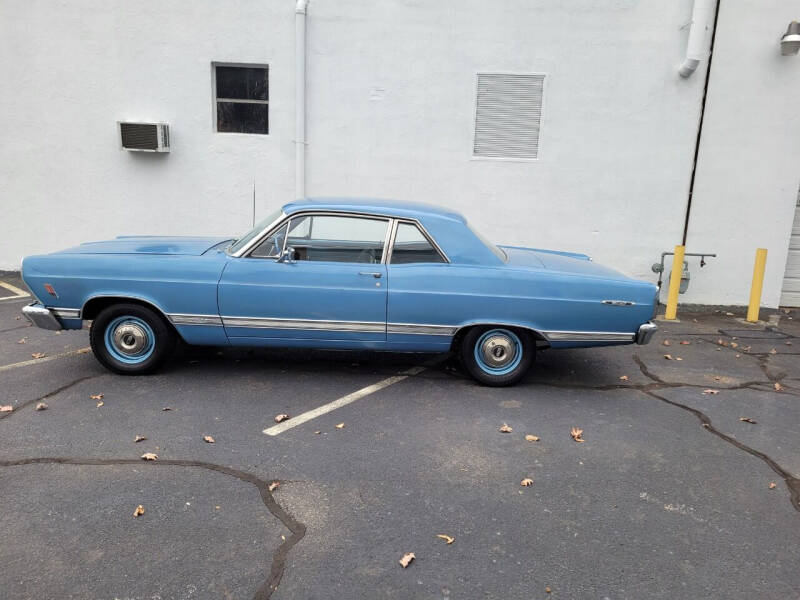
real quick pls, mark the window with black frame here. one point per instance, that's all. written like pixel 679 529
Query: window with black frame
pixel 241 98
pixel 411 246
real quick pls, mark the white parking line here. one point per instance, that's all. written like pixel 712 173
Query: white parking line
pixel 343 401
pixel 36 361
pixel 18 293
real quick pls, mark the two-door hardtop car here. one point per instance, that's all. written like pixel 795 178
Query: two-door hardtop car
pixel 339 274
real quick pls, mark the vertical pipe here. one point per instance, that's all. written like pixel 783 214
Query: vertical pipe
pixel 300 99
pixel 675 283
pixel 757 285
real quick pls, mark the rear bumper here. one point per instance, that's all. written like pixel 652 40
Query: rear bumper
pixel 645 332
pixel 42 317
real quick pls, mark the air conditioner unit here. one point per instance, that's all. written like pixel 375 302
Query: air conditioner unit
pixel 144 137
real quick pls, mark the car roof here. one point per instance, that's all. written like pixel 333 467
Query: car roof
pixel 398 208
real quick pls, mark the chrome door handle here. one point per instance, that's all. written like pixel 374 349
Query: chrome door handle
pixel 375 274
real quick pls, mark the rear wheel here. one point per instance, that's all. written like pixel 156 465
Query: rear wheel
pixel 497 356
pixel 131 339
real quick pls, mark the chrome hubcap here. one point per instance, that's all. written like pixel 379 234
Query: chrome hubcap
pixel 130 339
pixel 498 351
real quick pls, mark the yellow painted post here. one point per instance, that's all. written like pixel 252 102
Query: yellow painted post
pixel 675 283
pixel 757 285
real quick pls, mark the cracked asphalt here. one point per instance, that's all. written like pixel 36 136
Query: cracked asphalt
pixel 668 497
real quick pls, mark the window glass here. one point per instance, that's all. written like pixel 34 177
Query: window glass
pixel 337 238
pixel 411 246
pixel 254 232
pixel 272 246
pixel 241 97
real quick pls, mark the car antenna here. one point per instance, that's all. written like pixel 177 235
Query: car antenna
pixel 254 202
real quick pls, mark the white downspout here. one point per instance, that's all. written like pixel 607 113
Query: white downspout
pixel 300 99
pixel 696 48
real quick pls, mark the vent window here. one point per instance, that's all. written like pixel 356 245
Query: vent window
pixel 508 115
pixel 241 98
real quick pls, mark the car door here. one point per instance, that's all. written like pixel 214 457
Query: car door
pixel 328 285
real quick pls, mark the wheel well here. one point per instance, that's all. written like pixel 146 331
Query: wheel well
pixel 95 306
pixel 456 343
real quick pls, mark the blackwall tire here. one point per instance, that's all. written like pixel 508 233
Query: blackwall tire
pixel 497 356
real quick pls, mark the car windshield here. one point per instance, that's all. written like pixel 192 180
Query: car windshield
pixel 497 251
pixel 247 237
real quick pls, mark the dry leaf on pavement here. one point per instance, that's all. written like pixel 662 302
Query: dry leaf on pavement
pixel 42 406
pixel 778 387
pixel 407 558
pixel 678 358
pixel 139 438
pixel 139 511
pixel 280 418
pixel 446 538
pixel 772 485
pixel 339 426
pixel 665 343
pixel 526 482
pixel 505 428
pixel 166 408
pixel 577 434
pixel 149 456
pixel 747 420
pixel 96 397
pixel 208 439
pixel 710 391
pixel 22 341
pixel 6 408
pixel 668 356
pixel 623 378
pixel 38 355
pixel 99 404
pixel 531 438
pixel 273 485
pixel 685 342
pixel 773 351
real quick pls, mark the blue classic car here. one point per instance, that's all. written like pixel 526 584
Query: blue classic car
pixel 342 274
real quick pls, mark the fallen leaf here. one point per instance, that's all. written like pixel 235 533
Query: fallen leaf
pixel 788 343
pixel 280 418
pixel 505 428
pixel 139 438
pixel 710 391
pixel 6 408
pixel 83 351
pixel 149 456
pixel 139 511
pixel 531 438
pixel 407 558
pixel 42 406
pixel 738 356
pixel 577 434
pixel 668 356
pixel 166 408
pixel 526 482
pixel 746 348
pixel 623 378
pixel 778 387
pixel 273 485
pixel 317 432
pixel 747 420
pixel 96 397
pixel 734 345
pixel 772 485
pixel 99 404
pixel 717 378
pixel 547 590
pixel 22 341
pixel 38 355
pixel 685 342
pixel 446 538
pixel 339 426
pixel 773 351
pixel 665 343
pixel 729 314
pixel 208 439
pixel 678 358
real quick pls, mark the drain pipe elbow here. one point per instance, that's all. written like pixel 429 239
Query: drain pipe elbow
pixel 696 47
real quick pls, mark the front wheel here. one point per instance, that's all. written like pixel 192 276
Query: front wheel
pixel 131 339
pixel 497 356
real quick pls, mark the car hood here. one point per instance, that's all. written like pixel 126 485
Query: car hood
pixel 564 262
pixel 146 244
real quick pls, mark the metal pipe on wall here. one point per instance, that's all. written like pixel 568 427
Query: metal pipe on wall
pixel 301 10
pixel 702 17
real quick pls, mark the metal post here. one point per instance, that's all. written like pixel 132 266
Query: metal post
pixel 675 283
pixel 757 285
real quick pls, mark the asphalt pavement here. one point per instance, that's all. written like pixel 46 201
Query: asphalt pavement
pixel 670 495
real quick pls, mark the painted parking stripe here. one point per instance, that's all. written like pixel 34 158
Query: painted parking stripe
pixel 343 401
pixel 36 361
pixel 12 298
pixel 18 293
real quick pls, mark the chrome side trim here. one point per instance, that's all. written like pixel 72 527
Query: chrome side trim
pixel 409 328
pixel 67 313
pixel 185 319
pixel 588 336
pixel 619 302
pixel 309 324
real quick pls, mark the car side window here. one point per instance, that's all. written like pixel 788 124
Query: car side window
pixel 411 246
pixel 272 246
pixel 337 238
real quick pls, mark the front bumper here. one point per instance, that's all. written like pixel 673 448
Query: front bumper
pixel 645 332
pixel 42 317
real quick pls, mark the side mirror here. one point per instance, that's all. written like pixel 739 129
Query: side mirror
pixel 287 255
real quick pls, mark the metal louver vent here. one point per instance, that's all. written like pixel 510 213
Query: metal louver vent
pixel 146 137
pixel 508 115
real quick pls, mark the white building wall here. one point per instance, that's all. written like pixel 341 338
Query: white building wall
pixel 391 93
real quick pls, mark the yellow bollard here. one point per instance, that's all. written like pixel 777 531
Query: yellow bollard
pixel 757 285
pixel 675 283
